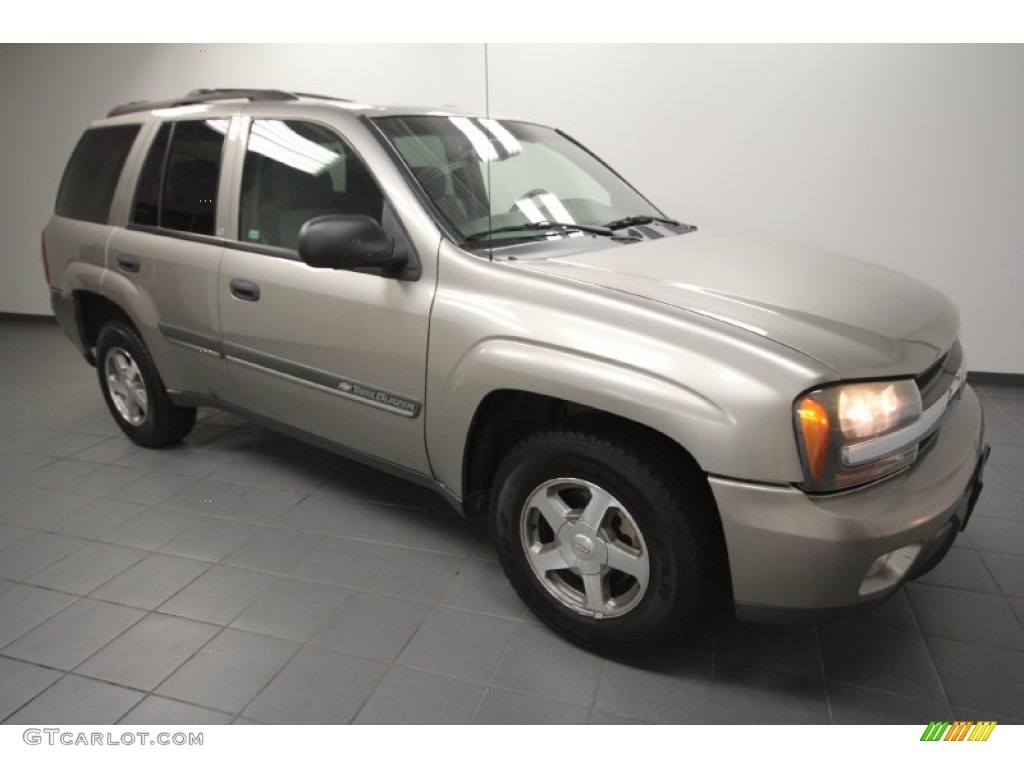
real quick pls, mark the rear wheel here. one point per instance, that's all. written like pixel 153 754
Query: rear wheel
pixel 604 539
pixel 134 391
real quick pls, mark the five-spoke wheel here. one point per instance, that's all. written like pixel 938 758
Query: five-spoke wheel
pixel 585 547
pixel 604 535
pixel 134 391
pixel 126 387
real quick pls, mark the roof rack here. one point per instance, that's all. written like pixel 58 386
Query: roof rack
pixel 201 96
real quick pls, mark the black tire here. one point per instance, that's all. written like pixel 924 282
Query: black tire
pixel 134 391
pixel 658 510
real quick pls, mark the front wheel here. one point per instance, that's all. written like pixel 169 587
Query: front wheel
pixel 134 392
pixel 604 539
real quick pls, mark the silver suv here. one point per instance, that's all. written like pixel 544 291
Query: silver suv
pixel 649 414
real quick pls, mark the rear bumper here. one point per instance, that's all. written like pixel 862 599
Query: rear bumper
pixel 795 557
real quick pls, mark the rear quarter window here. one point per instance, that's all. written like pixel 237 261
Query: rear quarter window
pixel 90 178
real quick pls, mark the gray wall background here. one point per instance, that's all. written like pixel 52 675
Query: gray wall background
pixel 910 156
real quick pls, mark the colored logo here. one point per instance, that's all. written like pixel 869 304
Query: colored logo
pixel 961 730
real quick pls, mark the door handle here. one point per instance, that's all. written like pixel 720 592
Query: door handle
pixel 128 263
pixel 245 290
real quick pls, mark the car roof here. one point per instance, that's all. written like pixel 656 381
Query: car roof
pixel 208 95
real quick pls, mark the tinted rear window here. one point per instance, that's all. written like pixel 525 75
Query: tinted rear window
pixel 92 173
pixel 177 188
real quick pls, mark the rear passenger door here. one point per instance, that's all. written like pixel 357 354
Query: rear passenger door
pixel 335 354
pixel 164 263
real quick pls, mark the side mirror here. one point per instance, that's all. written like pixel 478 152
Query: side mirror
pixel 347 242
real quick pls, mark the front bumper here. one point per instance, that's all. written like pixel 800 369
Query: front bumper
pixel 795 557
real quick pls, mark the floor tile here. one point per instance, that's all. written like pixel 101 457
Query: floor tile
pixel 44 508
pixel 15 465
pixel 147 653
pixel 220 594
pixel 481 586
pixel 24 608
pixel 35 552
pixel 264 505
pixel 1017 604
pixel 1005 478
pixel 785 647
pixel 206 496
pixel 77 701
pixel 61 444
pixel 970 617
pixel 539 662
pixel 1008 455
pixel 20 683
pixel 10 534
pixel 230 671
pixel 997 503
pixel 104 480
pixel 294 610
pixel 510 708
pixel 893 613
pixel 152 529
pixel 277 551
pixel 1008 571
pixel 746 695
pixel 211 540
pixel 153 488
pixel 151 581
pixel 97 518
pixel 980 677
pixel 58 474
pixel 179 459
pixel 373 521
pixel 863 706
pixel 964 713
pixel 155 710
pixel 74 634
pixel 991 534
pixel 598 717
pixel 374 626
pixel 874 657
pixel 961 569
pixel 15 494
pixel 410 697
pixel 108 451
pixel 460 644
pixel 84 570
pixel 668 689
pixel 380 568
pixel 318 686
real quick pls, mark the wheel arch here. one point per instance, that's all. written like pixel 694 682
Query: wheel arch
pixel 505 417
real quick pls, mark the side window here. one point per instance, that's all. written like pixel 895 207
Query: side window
pixel 178 184
pixel 295 171
pixel 90 178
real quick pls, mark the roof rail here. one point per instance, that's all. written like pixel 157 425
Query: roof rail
pixel 201 96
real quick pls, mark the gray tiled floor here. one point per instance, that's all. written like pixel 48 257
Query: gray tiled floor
pixel 245 577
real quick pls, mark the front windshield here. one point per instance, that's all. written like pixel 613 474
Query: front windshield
pixel 495 181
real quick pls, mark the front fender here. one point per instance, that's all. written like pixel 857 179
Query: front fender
pixel 710 432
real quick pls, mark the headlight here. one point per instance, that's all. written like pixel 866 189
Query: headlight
pixel 831 420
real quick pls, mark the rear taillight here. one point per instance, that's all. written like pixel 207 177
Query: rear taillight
pixel 46 266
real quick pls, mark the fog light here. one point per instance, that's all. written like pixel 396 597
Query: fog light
pixel 888 569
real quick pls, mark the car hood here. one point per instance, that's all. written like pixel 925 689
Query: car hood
pixel 859 319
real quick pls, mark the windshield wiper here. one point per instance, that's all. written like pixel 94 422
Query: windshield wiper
pixel 632 221
pixel 551 226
